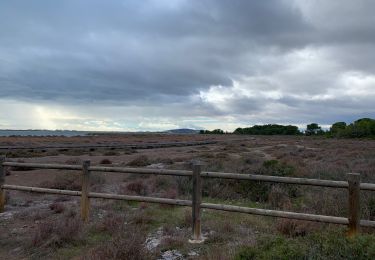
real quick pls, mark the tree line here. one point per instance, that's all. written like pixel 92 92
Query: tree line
pixel 364 127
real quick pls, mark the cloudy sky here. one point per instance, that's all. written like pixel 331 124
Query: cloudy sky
pixel 164 64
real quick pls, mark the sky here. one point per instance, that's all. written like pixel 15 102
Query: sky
pixel 150 65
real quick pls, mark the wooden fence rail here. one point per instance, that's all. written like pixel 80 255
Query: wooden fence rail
pixel 353 185
pixel 223 175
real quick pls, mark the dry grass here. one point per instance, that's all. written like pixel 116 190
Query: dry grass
pixel 126 240
pixel 56 233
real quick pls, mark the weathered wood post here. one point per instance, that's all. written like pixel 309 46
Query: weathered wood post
pixel 85 201
pixel 354 181
pixel 196 203
pixel 2 180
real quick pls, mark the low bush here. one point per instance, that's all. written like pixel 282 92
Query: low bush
pixel 96 180
pixel 164 182
pixel 126 243
pixel 139 161
pixel 111 153
pixel 72 180
pixel 56 233
pixel 294 228
pixel 57 207
pixel 110 223
pixel 65 181
pixel 105 161
pixel 74 161
pixel 137 187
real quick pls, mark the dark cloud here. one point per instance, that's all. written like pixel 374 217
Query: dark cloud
pixel 117 50
pixel 181 59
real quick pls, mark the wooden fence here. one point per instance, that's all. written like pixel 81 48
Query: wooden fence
pixel 353 185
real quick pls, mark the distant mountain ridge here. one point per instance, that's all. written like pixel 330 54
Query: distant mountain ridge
pixel 183 131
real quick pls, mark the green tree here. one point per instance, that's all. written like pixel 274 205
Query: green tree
pixel 216 131
pixel 362 128
pixel 337 128
pixel 313 129
pixel 270 129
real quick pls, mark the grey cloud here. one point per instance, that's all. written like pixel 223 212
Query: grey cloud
pixel 126 50
pixel 160 55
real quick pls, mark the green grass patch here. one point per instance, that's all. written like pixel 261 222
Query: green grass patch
pixel 328 245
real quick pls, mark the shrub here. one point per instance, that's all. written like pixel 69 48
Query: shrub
pixel 71 181
pixel 139 161
pixel 56 233
pixel 184 185
pixel 126 243
pixel 279 198
pixel 164 182
pixel 111 223
pixel 74 161
pixel 166 161
pixel 293 228
pixel 57 207
pixel 105 161
pixel 66 181
pixel 111 153
pixel 170 193
pixel 20 168
pixel 138 187
pixel 97 178
pixel 140 218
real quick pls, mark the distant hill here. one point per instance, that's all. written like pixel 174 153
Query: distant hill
pixel 183 131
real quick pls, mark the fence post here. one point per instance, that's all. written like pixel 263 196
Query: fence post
pixel 2 180
pixel 85 201
pixel 354 181
pixel 196 203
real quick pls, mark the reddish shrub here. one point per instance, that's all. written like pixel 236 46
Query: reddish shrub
pixel 105 161
pixel 58 232
pixel 138 187
pixel 111 223
pixel 74 161
pixel 170 193
pixel 57 207
pixel 125 244
pixel 294 228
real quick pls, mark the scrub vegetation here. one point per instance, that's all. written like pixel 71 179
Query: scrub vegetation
pixel 36 226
